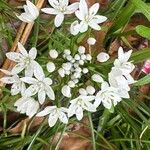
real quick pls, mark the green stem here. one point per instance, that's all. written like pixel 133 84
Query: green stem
pixel 92 131
pixel 60 139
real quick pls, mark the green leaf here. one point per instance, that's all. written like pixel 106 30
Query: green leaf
pixel 143 81
pixel 143 31
pixel 140 55
pixel 143 7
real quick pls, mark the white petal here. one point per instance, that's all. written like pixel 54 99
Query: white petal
pixel 102 57
pixel 50 66
pixel 33 9
pixel 94 9
pixel 33 53
pixel 29 70
pixel 50 92
pixel 63 118
pixel 83 26
pixel 22 50
pixel 7 80
pixel 50 11
pixel 18 68
pixel 72 8
pixel 75 28
pixel 31 90
pixel 47 81
pixel 98 100
pixel 83 7
pixel 79 15
pixel 97 78
pixel 41 96
pixel 79 113
pixel 99 19
pixel 94 25
pixel 46 111
pixel 59 19
pixel 53 3
pixel 15 89
pixel 14 56
pixel 25 17
pixel 52 119
pixel 38 72
pixel 66 91
pixel 29 80
pixel 71 110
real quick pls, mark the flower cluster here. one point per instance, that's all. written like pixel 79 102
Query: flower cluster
pixel 28 78
pixel 87 16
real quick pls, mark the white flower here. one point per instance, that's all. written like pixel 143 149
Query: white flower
pixel 108 96
pixel 30 14
pixel 27 105
pixel 85 70
pixel 66 91
pixel 122 61
pixel 81 49
pixel 88 17
pixel 53 53
pixel 90 89
pixel 61 72
pixel 75 28
pixel 120 82
pixel 55 113
pixel 40 85
pixel 50 66
pixel 91 41
pixel 97 78
pixel 17 85
pixel 60 8
pixel 88 57
pixel 23 59
pixel 79 104
pixel 102 57
pixel 71 84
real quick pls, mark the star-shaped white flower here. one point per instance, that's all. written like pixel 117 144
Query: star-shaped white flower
pixel 40 84
pixel 30 14
pixel 88 17
pixel 122 61
pixel 23 59
pixel 55 113
pixel 120 82
pixel 60 9
pixel 80 103
pixel 108 96
pixel 17 85
pixel 27 105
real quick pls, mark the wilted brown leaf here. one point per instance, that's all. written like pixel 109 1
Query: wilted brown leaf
pixel 35 123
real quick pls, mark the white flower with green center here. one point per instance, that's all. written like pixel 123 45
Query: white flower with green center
pixel 30 14
pixel 108 96
pixel 60 9
pixel 17 85
pixel 79 104
pixel 40 84
pixel 23 59
pixel 27 105
pixel 55 113
pixel 88 17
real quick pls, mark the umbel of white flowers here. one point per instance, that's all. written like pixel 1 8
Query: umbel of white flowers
pixel 36 84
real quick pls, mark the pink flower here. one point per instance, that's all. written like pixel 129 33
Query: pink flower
pixel 146 67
